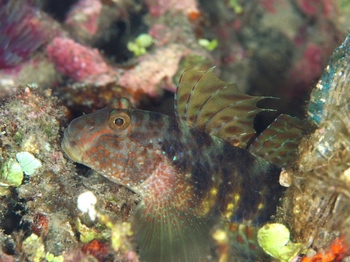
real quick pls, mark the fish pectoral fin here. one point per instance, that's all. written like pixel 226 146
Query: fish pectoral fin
pixel 166 234
pixel 279 142
pixel 218 108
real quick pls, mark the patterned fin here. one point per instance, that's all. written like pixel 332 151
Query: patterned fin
pixel 218 108
pixel 244 243
pixel 163 233
pixel 278 143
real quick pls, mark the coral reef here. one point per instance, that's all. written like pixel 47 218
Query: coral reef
pixel 44 200
pixel 78 62
pixel 316 207
pixel 246 41
pixel 22 32
pixel 58 62
pixel 84 16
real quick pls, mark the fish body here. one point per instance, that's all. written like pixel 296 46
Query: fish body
pixel 186 169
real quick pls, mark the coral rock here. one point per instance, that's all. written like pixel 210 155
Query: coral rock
pixel 154 71
pixel 81 63
pixel 160 7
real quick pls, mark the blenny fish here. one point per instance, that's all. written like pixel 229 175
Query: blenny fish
pixel 191 171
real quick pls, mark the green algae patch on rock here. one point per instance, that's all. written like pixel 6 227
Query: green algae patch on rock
pixel 11 174
pixel 120 233
pixel 34 248
pixel 87 234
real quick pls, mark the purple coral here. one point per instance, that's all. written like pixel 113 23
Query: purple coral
pixel 22 31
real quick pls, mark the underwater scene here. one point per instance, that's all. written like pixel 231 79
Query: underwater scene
pixel 175 130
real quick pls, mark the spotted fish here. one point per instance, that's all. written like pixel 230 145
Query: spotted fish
pixel 191 171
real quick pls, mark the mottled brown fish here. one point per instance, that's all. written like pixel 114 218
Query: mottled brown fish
pixel 191 172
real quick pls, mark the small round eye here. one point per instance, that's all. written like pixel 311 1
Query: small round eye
pixel 119 120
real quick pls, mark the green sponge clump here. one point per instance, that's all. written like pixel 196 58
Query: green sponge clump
pixel 141 43
pixel 210 45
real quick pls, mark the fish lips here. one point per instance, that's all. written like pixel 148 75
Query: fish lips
pixel 71 148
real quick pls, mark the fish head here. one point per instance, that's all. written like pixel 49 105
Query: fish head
pixel 120 143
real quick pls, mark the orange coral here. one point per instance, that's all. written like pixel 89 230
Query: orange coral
pixel 96 248
pixel 337 251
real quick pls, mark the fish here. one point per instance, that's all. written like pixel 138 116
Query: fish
pixel 192 171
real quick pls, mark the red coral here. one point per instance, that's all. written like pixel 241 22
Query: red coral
pixel 79 62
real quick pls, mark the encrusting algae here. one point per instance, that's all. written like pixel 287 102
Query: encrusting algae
pixel 191 172
pixel 38 207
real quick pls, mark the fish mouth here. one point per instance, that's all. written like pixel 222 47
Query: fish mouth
pixel 72 150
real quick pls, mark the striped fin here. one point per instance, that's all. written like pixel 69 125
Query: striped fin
pixel 279 142
pixel 218 108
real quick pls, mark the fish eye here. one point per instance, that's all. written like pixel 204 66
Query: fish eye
pixel 119 120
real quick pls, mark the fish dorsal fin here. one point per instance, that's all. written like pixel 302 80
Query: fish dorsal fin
pixel 218 108
pixel 279 142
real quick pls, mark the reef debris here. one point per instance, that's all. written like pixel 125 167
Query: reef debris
pixel 39 201
pixel 316 206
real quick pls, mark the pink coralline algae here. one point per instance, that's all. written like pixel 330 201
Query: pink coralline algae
pixel 160 7
pixel 154 70
pixel 269 5
pixel 81 63
pixel 85 16
pixel 316 7
pixel 22 31
pixel 309 67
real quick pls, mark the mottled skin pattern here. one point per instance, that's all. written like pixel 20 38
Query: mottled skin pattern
pixel 188 180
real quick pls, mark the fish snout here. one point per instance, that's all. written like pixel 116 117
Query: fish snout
pixel 71 148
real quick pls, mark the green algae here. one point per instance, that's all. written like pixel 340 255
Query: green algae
pixel 11 174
